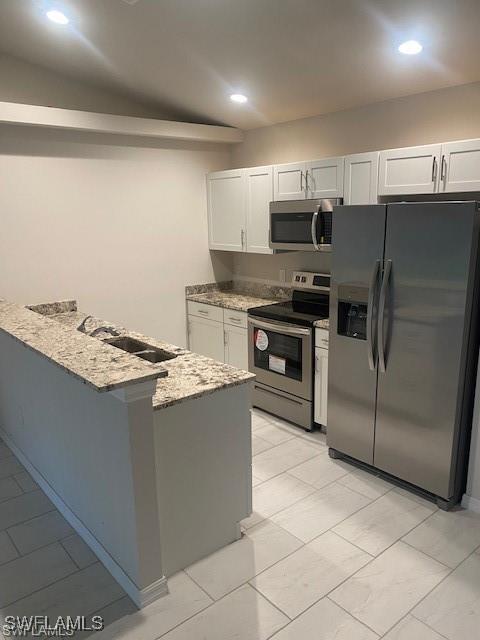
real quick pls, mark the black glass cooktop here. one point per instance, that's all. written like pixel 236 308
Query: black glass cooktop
pixel 304 309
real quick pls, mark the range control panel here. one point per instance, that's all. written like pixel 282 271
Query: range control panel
pixel 311 280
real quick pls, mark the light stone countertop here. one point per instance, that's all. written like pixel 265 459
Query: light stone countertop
pixel 234 300
pixel 190 375
pixel 322 324
pixel 100 366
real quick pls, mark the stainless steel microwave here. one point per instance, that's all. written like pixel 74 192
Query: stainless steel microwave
pixel 302 225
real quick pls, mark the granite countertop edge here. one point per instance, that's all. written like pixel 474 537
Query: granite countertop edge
pixel 74 352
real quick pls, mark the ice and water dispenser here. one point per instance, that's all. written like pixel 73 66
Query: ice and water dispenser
pixel 352 311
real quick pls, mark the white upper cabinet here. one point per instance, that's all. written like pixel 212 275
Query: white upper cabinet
pixel 226 210
pixel 361 178
pixel 324 178
pixel 289 181
pixel 410 170
pixel 259 186
pixel 460 166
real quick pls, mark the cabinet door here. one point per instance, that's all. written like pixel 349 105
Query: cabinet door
pixel 236 347
pixel 410 170
pixel 289 181
pixel 325 178
pixel 226 210
pixel 361 178
pixel 460 166
pixel 206 337
pixel 259 187
pixel 321 386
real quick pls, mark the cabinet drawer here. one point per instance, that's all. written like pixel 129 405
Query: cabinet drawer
pixel 205 311
pixel 321 338
pixel 235 318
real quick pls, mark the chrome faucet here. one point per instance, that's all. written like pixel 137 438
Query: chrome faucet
pixel 83 329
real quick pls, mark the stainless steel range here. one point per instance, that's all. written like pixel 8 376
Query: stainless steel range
pixel 281 346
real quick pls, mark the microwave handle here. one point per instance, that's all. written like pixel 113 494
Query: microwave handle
pixel 314 229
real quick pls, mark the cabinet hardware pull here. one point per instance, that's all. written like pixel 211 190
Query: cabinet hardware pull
pixel 301 180
pixel 205 313
pixel 443 174
pixel 434 169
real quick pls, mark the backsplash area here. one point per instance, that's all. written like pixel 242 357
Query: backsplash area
pixel 267 268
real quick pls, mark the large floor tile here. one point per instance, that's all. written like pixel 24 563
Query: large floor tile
pixel 24 507
pixel 5 452
pixel 282 457
pixel 453 608
pixel 412 629
pixel 449 537
pixel 320 511
pixel 242 615
pixel 300 580
pixel 38 569
pixel 384 591
pixel 320 471
pixel 259 445
pixel 383 522
pixel 260 419
pixel 26 481
pixel 9 466
pixel 184 600
pixel 9 489
pixel 366 483
pixel 232 566
pixel 39 531
pixel 79 551
pixel 7 549
pixel 81 593
pixel 325 621
pixel 277 432
pixel 274 495
pixel 317 437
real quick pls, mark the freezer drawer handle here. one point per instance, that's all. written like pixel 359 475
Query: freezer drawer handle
pixel 381 313
pixel 371 302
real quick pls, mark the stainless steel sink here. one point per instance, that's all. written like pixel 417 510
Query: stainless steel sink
pixel 140 349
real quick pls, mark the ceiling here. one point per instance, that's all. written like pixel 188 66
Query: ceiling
pixel 293 58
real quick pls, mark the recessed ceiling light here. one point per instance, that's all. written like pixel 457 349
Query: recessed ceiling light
pixel 57 16
pixel 238 97
pixel 410 47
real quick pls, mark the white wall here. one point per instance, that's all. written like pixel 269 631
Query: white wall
pixel 26 83
pixel 120 224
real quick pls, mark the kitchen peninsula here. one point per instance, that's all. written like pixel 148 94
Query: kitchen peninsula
pixel 92 422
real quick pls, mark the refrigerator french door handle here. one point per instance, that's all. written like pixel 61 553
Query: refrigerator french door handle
pixel 381 313
pixel 314 229
pixel 370 305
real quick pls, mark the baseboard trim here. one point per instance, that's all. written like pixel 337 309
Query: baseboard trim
pixel 141 597
pixel 471 503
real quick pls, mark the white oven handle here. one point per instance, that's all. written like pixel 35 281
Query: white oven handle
pixel 280 327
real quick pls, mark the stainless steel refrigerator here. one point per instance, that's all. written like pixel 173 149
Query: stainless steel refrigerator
pixel 404 341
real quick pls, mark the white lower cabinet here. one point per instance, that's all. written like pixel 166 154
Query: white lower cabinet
pixel 236 347
pixel 218 333
pixel 321 386
pixel 206 337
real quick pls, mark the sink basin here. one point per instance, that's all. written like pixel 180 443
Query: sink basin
pixel 140 349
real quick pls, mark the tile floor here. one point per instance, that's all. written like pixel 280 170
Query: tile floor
pixel 330 552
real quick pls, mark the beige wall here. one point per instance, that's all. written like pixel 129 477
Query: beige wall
pixel 27 83
pixel 118 223
pixel 448 114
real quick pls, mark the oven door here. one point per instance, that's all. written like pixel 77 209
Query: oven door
pixel 301 225
pixel 280 355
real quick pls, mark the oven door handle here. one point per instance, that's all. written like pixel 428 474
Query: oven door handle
pixel 281 327
pixel 314 229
